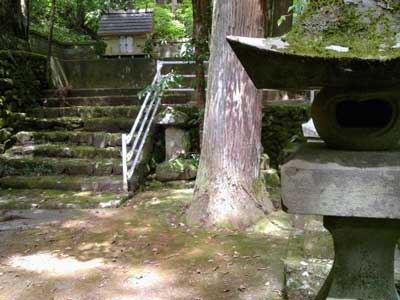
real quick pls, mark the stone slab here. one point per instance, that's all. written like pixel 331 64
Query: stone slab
pixel 323 181
pixel 298 71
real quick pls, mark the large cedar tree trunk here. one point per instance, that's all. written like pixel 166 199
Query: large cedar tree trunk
pixel 228 190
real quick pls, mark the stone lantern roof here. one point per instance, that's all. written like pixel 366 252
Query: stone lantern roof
pixel 335 43
pixel 171 117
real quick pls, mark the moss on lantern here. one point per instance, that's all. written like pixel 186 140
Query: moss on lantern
pixel 368 30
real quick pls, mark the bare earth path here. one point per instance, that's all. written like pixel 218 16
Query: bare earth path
pixel 143 251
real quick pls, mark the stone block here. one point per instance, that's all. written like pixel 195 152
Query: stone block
pixel 177 142
pixel 323 181
pixel 179 169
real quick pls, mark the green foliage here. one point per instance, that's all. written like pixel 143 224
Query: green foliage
pixel 22 76
pixel 169 80
pixel 191 158
pixel 78 21
pixel 297 9
pixel 165 26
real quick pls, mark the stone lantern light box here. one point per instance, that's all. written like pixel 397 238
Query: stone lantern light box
pixel 350 50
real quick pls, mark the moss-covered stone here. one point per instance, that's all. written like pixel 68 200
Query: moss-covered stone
pixel 172 117
pixel 177 169
pixel 65 151
pixel 28 166
pixel 85 112
pixel 367 28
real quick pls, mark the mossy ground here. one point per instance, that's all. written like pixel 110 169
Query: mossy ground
pixel 141 251
pixel 50 199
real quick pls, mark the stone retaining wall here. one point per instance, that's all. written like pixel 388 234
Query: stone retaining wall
pixel 109 72
pixel 282 121
pixel 64 50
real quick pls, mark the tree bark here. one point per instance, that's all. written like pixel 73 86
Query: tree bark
pixel 228 192
pixel 200 43
pixel 280 8
pixel 174 6
pixel 12 19
pixel 50 39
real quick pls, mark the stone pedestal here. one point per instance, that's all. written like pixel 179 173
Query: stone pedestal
pixel 364 259
pixel 177 142
pixel 358 193
pixel 177 139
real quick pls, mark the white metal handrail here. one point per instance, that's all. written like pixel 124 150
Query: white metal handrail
pixel 133 143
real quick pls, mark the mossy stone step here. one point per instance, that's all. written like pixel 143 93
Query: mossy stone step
pixel 64 183
pixel 85 112
pixel 93 92
pixel 29 166
pixel 90 101
pixel 97 139
pixel 58 199
pixel 171 98
pixel 111 125
pixel 64 151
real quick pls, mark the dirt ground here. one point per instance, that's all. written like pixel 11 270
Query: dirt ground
pixel 142 251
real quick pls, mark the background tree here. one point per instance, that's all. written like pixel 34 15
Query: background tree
pixel 201 29
pixel 281 18
pixel 12 25
pixel 50 39
pixel 228 191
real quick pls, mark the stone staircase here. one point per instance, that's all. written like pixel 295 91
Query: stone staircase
pixel 67 152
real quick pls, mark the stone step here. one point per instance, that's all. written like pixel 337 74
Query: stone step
pixel 105 124
pixel 59 199
pixel 174 98
pixel 37 166
pixel 92 92
pixel 181 69
pixel 85 112
pixel 97 139
pixel 64 183
pixel 64 151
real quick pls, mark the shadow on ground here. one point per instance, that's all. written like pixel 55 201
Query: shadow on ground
pixel 141 251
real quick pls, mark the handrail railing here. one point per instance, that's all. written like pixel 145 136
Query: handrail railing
pixel 133 142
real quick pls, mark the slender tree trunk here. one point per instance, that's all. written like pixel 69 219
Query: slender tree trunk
pixel 201 17
pixel 228 190
pixel 280 8
pixel 200 42
pixel 50 39
pixel 28 18
pixel 174 6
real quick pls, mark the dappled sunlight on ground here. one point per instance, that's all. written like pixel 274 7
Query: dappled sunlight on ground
pixel 143 251
pixel 53 265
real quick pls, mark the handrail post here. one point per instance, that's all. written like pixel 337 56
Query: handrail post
pixel 124 162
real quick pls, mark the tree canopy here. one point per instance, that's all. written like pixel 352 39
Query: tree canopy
pixel 78 20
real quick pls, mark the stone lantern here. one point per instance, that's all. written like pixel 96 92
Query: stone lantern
pixel 177 139
pixel 350 50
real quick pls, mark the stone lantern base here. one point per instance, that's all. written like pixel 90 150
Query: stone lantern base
pixel 357 192
pixel 364 259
